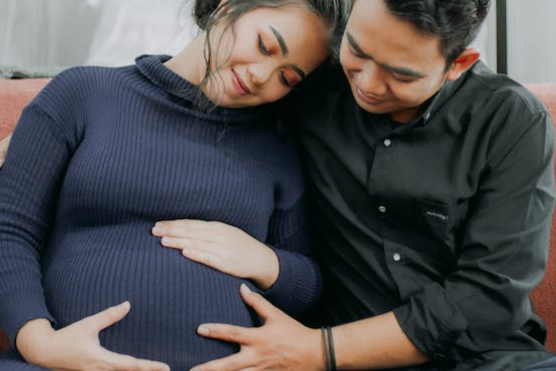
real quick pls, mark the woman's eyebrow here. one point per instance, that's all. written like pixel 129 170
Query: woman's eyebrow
pixel 299 71
pixel 281 40
pixel 285 50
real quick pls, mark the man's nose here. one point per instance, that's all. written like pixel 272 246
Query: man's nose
pixel 372 80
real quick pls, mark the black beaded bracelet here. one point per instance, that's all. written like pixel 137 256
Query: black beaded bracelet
pixel 324 334
pixel 332 352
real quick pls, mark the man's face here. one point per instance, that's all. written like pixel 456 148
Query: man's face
pixel 392 67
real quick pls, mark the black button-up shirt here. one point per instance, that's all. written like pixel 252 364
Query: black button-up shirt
pixel 444 221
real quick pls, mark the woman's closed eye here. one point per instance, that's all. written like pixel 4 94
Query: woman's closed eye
pixel 262 46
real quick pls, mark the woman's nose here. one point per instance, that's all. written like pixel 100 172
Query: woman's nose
pixel 260 73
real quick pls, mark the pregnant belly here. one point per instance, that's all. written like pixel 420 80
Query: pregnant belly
pixel 169 295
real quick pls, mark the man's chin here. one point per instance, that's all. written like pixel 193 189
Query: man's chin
pixel 378 109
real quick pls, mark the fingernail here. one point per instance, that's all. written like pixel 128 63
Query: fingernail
pixel 202 330
pixel 165 240
pixel 184 252
pixel 158 228
pixel 245 289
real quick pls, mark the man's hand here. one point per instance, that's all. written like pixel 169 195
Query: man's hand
pixel 4 144
pixel 281 344
pixel 77 346
pixel 222 247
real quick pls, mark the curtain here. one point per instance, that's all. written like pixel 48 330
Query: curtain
pixel 132 27
pixel 46 33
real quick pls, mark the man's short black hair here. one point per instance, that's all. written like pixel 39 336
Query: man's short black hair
pixel 455 22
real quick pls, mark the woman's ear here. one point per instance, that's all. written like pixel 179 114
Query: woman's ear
pixel 462 63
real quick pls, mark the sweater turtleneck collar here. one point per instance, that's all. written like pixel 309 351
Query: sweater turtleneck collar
pixel 153 68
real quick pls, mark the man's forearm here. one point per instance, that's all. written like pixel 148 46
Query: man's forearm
pixel 374 343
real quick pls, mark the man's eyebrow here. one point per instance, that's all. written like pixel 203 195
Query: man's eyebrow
pixel 403 71
pixel 356 46
pixel 398 70
pixel 281 41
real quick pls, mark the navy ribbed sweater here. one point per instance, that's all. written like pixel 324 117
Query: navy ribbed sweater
pixel 101 155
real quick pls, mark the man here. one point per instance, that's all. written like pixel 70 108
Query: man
pixel 433 189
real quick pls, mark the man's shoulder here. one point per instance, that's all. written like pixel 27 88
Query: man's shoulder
pixel 502 92
pixel 501 113
pixel 322 84
pixel 324 95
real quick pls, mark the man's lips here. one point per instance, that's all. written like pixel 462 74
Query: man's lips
pixel 239 85
pixel 366 98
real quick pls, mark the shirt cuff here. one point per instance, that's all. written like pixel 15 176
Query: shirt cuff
pixel 433 323
pixel 20 310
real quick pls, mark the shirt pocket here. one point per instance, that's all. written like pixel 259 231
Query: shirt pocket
pixel 420 221
pixel 434 216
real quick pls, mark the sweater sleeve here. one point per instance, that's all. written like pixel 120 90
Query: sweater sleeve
pixel 29 186
pixel 299 282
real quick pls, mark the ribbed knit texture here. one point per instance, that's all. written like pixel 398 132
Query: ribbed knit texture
pixel 101 155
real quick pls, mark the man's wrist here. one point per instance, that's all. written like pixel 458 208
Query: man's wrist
pixel 319 358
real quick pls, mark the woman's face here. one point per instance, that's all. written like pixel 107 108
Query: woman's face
pixel 264 55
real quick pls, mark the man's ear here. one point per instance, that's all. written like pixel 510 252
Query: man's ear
pixel 463 62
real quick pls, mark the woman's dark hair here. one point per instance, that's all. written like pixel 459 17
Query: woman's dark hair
pixel 455 22
pixel 208 13
pixel 333 12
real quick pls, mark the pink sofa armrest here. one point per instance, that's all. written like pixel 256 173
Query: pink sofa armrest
pixel 14 96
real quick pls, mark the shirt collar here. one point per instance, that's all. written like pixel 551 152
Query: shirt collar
pixel 448 89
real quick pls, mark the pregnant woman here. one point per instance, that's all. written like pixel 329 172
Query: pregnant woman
pixel 103 153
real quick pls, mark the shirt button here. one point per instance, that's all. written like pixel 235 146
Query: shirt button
pixel 397 257
pixel 382 209
pixel 427 116
pixel 387 142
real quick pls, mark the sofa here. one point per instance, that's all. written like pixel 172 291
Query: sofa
pixel 15 94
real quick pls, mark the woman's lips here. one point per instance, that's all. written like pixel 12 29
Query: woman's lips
pixel 239 85
pixel 366 98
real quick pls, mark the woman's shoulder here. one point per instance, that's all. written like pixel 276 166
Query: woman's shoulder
pixel 84 78
pixel 79 82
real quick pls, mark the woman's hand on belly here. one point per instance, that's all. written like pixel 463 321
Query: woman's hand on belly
pixel 77 347
pixel 222 247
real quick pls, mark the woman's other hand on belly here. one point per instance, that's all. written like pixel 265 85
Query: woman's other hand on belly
pixel 77 347
pixel 222 247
